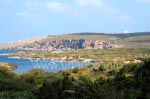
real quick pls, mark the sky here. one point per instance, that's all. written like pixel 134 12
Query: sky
pixel 21 19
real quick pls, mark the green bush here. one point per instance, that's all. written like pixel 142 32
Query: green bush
pixel 16 95
pixel 75 70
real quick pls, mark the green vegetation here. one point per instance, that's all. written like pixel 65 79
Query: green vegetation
pixel 118 74
pixel 13 88
pixel 9 66
pixel 135 86
pixel 129 82
pixel 103 55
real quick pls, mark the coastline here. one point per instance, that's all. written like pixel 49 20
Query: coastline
pixel 55 57
pixel 10 67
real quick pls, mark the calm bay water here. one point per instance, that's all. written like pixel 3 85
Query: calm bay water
pixel 25 65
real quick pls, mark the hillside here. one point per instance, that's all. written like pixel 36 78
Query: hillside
pixel 20 42
pixel 120 35
pixel 82 41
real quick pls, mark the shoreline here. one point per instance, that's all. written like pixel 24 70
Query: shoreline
pixel 10 67
pixel 64 59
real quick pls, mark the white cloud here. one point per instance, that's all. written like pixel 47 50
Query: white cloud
pixel 24 14
pixel 28 15
pixel 40 10
pixel 55 6
pixel 75 9
pixel 47 6
pixel 88 3
pixel 79 7
pixel 98 5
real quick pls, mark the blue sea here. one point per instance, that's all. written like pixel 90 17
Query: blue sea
pixel 49 65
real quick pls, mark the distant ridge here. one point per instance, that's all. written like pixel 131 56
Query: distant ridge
pixel 120 35
pixel 124 40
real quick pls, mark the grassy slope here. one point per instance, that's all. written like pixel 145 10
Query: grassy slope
pixel 120 54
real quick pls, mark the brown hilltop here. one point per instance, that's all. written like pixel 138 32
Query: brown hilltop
pixel 141 39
